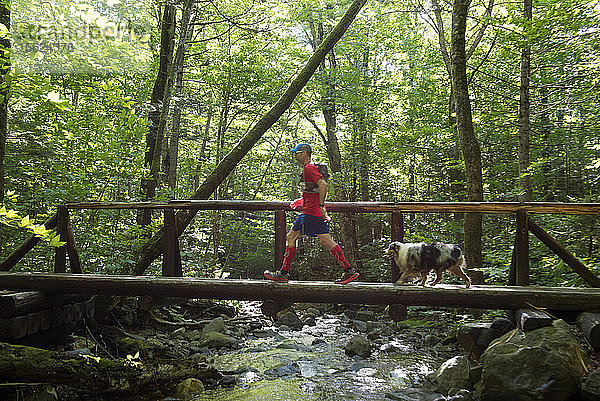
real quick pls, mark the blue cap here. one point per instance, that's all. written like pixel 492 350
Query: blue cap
pixel 301 147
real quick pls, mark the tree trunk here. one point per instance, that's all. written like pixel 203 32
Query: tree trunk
pixel 173 150
pixel 153 248
pixel 468 141
pixel 4 69
pixel 524 123
pixel 33 365
pixel 156 104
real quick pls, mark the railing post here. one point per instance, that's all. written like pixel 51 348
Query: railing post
pixel 74 261
pixel 171 266
pixel 397 235
pixel 521 250
pixel 280 231
pixel 60 257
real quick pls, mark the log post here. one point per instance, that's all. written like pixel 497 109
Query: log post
pixel 26 246
pixel 280 231
pixel 522 250
pixel 397 235
pixel 566 256
pixel 74 261
pixel 171 266
pixel 60 258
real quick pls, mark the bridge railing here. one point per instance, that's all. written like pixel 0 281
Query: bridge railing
pixel 172 260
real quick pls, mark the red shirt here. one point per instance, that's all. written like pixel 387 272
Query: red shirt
pixel 310 203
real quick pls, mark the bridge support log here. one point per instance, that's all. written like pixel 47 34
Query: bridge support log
pixel 564 254
pixel 487 297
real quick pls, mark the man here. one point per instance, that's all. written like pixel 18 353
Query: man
pixel 312 221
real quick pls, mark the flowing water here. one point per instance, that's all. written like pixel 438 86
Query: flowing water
pixel 311 365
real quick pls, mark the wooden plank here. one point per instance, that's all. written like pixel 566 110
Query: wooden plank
pixel 60 258
pixel 280 233
pixel 590 325
pixel 359 207
pixel 72 251
pixel 172 257
pixel 78 311
pixel 33 322
pixel 13 328
pixel 566 256
pixel 26 246
pixel 488 297
pixel 24 302
pixel 45 319
pixel 522 250
pixel 397 234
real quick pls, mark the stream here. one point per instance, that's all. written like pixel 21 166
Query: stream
pixel 277 363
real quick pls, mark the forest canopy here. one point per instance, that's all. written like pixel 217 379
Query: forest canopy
pixel 93 84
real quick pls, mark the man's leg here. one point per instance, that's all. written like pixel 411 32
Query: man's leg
pixel 291 240
pixel 349 273
pixel 282 275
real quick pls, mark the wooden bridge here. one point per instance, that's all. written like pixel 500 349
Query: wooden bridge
pixel 477 296
pixel 515 296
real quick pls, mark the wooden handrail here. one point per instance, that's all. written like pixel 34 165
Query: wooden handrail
pixel 359 207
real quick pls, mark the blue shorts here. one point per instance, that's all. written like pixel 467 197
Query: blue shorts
pixel 310 225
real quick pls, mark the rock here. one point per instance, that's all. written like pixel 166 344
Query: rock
pixel 474 337
pixel 541 364
pixel 318 341
pixel 591 386
pixel 290 369
pixel 359 325
pixel 217 340
pixel 460 395
pixel 453 375
pixel 217 325
pixel 341 330
pixel 194 335
pixel 314 312
pixel 413 394
pixel 358 345
pixel 430 340
pixel 284 327
pixel 290 319
pixel 310 321
pixel 189 386
pixel 365 315
pixel 500 326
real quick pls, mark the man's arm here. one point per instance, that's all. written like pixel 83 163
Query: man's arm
pixel 322 188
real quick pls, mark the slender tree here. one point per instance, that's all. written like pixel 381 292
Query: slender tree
pixel 153 248
pixel 464 123
pixel 4 69
pixel 167 43
pixel 524 104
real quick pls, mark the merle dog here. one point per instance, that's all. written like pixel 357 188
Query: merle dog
pixel 419 259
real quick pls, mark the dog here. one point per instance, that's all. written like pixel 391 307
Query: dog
pixel 419 259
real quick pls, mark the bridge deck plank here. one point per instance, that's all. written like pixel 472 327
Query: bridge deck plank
pixel 484 297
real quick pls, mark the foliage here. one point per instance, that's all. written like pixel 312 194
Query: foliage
pixel 81 136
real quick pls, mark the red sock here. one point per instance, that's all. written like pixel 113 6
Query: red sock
pixel 290 252
pixel 339 256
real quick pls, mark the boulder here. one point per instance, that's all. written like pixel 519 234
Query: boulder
pixel 216 325
pixel 453 375
pixel 591 386
pixel 189 386
pixel 289 319
pixel 542 364
pixel 358 345
pixel 217 340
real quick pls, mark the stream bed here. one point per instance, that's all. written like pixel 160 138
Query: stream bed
pixel 277 363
